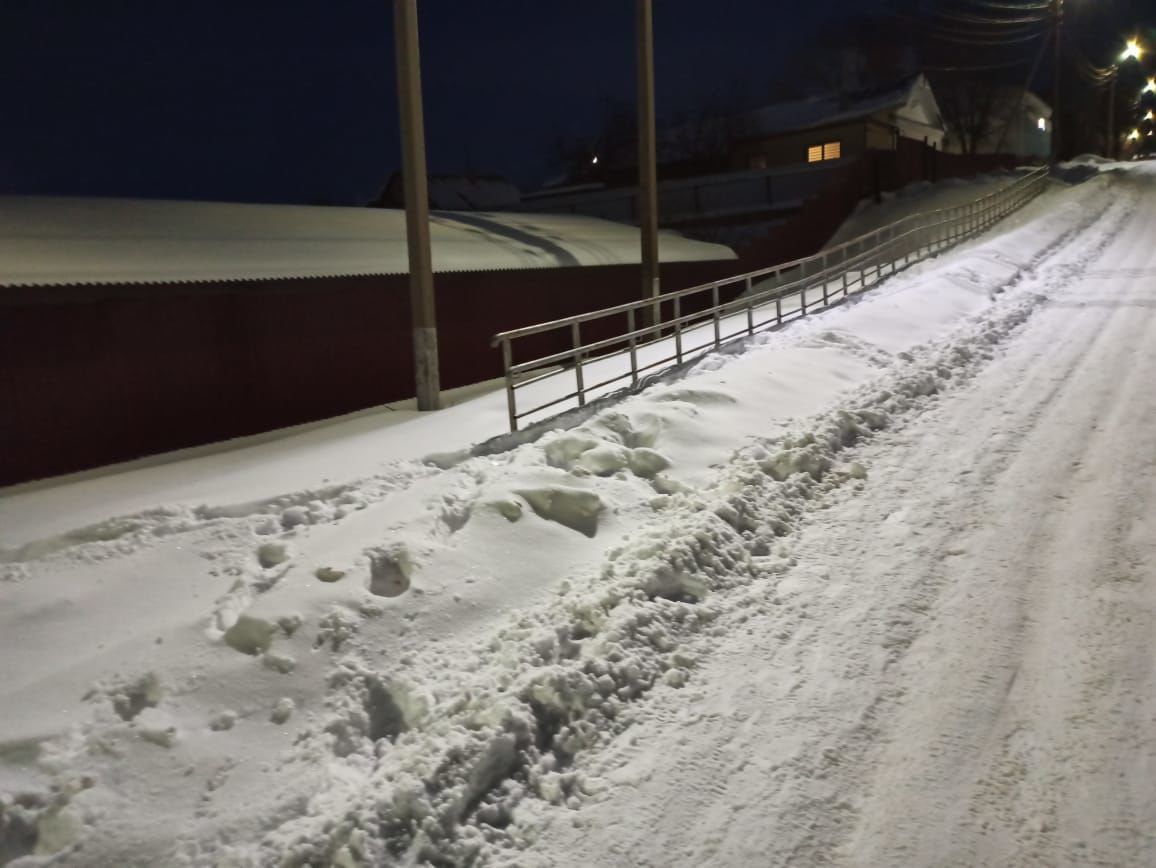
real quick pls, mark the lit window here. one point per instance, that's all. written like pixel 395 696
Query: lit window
pixel 826 151
pixel 1042 123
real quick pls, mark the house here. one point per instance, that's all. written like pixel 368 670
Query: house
pixel 1007 120
pixel 839 126
pixel 758 168
pixel 130 328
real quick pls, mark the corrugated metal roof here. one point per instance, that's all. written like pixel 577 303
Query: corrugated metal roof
pixel 54 241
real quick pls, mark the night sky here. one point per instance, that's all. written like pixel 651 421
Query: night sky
pixel 293 101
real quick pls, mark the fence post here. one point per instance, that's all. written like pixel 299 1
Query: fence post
pixel 715 312
pixel 633 347
pixel 750 307
pixel 678 328
pixel 823 263
pixel 578 378
pixel 511 402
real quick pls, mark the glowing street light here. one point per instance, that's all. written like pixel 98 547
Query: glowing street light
pixel 1133 51
pixel 1150 87
pixel 1134 136
pixel 1149 116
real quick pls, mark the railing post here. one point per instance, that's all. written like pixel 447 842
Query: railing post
pixel 678 328
pixel 715 312
pixel 750 307
pixel 511 401
pixel 578 378
pixel 633 347
pixel 823 263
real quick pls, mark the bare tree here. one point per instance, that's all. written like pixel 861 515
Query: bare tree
pixel 970 107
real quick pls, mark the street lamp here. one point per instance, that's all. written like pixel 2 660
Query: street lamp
pixel 1150 87
pixel 1133 50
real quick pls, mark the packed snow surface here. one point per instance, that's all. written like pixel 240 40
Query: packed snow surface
pixel 875 590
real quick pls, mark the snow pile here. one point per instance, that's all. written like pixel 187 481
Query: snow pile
pixel 916 198
pixel 411 665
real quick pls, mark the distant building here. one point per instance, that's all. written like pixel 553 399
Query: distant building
pixel 455 193
pixel 839 126
pixel 1015 122
pixel 759 167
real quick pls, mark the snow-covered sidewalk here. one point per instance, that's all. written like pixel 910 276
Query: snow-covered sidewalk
pixel 875 591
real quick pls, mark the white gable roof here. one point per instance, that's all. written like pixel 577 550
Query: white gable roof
pixel 47 240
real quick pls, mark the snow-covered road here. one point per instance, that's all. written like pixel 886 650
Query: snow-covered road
pixel 962 667
pixel 879 591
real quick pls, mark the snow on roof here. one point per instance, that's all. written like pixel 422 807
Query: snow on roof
pixel 820 111
pixel 46 241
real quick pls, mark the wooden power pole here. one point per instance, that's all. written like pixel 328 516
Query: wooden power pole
pixel 415 185
pixel 647 159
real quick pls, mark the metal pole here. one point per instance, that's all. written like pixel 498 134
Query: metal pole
pixel 1056 84
pixel 1111 145
pixel 647 160
pixel 421 290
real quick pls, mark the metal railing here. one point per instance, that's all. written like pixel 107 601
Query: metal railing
pixel 655 333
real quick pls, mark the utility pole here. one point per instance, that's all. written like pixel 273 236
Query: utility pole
pixel 1059 13
pixel 647 159
pixel 415 185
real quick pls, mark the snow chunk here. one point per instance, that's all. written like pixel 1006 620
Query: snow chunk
pixel 157 726
pixel 272 554
pixel 574 508
pixel 250 635
pixel 283 710
pixel 390 568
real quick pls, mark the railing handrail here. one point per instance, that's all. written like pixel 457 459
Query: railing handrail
pixel 641 304
pixel 914 236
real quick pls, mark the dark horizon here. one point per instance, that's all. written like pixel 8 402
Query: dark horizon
pixel 295 102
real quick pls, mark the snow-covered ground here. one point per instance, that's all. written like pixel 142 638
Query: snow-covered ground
pixel 877 590
pixel 916 198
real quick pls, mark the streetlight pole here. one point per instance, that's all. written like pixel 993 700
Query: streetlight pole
pixel 415 185
pixel 647 159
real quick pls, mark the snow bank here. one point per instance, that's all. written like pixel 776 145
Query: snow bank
pixel 915 198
